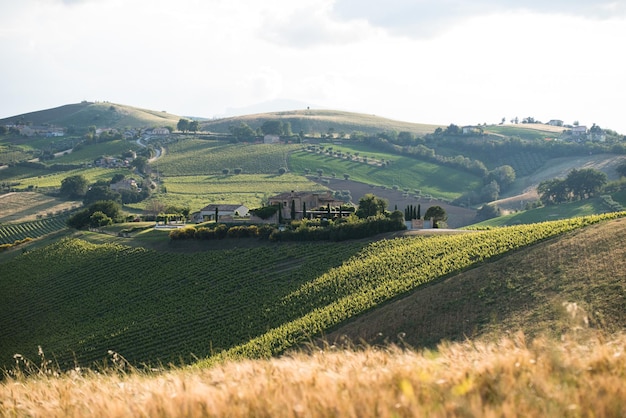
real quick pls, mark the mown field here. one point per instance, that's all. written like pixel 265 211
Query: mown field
pixel 203 157
pixel 28 206
pixel 251 190
pixel 154 306
pixel 403 172
pixel 52 179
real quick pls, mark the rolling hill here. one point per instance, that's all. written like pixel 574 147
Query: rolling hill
pixel 315 121
pixel 99 114
pixel 528 290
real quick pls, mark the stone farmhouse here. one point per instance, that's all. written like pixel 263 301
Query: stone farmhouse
pixel 312 200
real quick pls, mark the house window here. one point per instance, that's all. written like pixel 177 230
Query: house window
pixel 284 204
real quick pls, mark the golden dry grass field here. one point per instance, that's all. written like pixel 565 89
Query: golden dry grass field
pixel 575 377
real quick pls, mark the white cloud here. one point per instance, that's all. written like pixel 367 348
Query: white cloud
pixel 195 57
pixel 425 18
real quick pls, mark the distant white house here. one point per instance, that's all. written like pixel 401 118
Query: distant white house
pixel 160 131
pixel 125 184
pixel 472 130
pixel 555 122
pixel 579 130
pixel 224 212
pixel 271 139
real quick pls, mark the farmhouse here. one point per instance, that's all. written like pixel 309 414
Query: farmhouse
pixel 125 184
pixel 271 139
pixel 312 200
pixel 224 212
pixel 160 131
pixel 579 130
pixel 472 130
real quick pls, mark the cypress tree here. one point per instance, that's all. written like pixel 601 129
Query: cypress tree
pixel 419 209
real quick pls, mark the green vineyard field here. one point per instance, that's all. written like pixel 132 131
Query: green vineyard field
pixel 10 233
pixel 79 300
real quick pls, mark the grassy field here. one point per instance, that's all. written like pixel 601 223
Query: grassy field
pixel 531 131
pixel 202 157
pixel 86 153
pixel 52 179
pixel 101 115
pixel 529 290
pixel 250 301
pixel 251 190
pixel 547 213
pixel 318 121
pixel 510 377
pixel 404 172
pixel 545 323
pixel 28 206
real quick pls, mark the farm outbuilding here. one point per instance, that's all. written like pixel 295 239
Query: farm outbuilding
pixel 224 212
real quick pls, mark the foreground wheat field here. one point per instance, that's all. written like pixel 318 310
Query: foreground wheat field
pixel 578 376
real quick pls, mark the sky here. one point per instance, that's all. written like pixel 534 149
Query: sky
pixel 425 61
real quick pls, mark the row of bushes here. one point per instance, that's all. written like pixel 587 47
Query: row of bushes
pixel 341 231
pixel 222 231
pixel 302 231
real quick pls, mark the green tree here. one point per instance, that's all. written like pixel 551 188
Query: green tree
pixel 293 209
pixel 74 186
pixel 286 129
pixel 553 191
pixel 504 175
pixel 487 212
pixel 621 169
pixel 117 178
pixel 194 126
pixel 243 132
pixel 371 205
pixel 585 182
pixel 101 191
pixel 98 219
pixel 272 127
pixel 140 164
pixel 436 214
pixel 183 125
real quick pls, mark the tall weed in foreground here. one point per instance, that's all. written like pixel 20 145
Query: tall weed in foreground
pixel 510 377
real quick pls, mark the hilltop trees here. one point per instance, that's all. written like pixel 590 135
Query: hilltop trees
pixel 74 186
pixel 436 214
pixel 578 185
pixel 242 132
pixel 371 205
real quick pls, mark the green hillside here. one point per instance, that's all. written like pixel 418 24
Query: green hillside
pixel 314 122
pixel 78 300
pixel 543 290
pixel 99 114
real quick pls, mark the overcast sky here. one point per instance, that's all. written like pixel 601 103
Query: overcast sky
pixel 427 61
